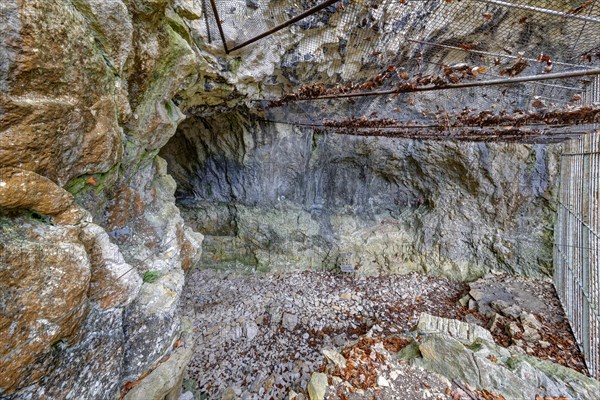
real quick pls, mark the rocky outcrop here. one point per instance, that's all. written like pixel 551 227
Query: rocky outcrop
pixel 481 364
pixel 64 289
pixel 273 196
pixel 40 306
pixel 22 189
pixel 87 209
pixel 160 383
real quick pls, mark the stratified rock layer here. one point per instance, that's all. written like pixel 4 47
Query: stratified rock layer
pixel 272 196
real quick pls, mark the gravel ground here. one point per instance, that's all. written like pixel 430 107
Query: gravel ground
pixel 260 336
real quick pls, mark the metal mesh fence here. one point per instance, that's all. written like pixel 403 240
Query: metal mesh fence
pixel 577 244
pixel 352 48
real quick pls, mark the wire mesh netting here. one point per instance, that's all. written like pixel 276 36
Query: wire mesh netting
pixel 577 244
pixel 410 68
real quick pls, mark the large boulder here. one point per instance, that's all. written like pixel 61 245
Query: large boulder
pixel 467 353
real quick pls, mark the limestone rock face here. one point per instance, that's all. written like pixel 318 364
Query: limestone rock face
pixel 47 89
pixel 482 364
pixel 44 277
pixel 112 283
pixel 63 292
pixel 161 384
pixel 90 368
pixel 152 323
pixel 92 90
pixel 56 275
pixel 273 196
pixel 22 189
pixel 86 99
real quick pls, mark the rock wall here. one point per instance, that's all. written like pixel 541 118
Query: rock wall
pixel 93 250
pixel 272 196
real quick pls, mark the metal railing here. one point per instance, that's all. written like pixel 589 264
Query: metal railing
pixel 268 32
pixel 577 244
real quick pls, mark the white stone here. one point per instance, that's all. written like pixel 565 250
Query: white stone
pixel 251 330
pixel 186 396
pixel 346 296
pixel 531 320
pixel 459 330
pixel 335 357
pixel 317 386
pixel 289 321
pixel 381 381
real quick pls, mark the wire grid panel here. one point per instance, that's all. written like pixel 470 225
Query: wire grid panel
pixel 242 20
pixel 354 41
pixel 577 244
pixel 351 36
pixel 359 38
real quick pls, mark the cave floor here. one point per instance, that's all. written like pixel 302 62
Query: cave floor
pixel 261 336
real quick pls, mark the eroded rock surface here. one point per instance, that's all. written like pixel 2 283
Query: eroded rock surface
pixel 45 275
pixel 86 207
pixel 280 197
pixel 482 364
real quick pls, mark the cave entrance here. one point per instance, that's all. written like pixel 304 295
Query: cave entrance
pixel 263 193
pixel 430 138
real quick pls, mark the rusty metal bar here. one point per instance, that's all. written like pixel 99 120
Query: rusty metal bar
pixel 493 82
pixel 218 19
pixel 206 21
pixel 287 23
pixel 428 126
pixel 473 135
pixel 577 154
pixel 489 73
